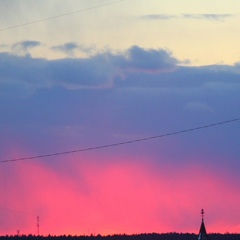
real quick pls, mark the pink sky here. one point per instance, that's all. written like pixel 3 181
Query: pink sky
pixel 88 194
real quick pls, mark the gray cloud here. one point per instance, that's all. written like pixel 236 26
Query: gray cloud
pixel 149 60
pixel 211 17
pixel 71 48
pixel 22 48
pixel 108 70
pixel 214 17
pixel 96 71
pixel 41 73
pixel 159 16
pixel 66 47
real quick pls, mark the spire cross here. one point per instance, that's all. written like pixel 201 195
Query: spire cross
pixel 202 212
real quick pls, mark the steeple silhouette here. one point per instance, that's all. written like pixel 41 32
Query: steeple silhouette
pixel 202 232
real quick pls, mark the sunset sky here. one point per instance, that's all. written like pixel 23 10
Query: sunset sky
pixel 86 73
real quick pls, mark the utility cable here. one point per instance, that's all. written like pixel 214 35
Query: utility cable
pixel 121 143
pixel 61 15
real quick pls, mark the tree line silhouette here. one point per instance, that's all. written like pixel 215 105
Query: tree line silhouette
pixel 149 236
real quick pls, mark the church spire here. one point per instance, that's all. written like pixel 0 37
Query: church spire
pixel 202 212
pixel 202 232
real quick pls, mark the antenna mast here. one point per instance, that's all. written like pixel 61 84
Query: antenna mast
pixel 38 225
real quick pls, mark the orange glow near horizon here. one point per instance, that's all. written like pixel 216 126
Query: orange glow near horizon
pixel 120 196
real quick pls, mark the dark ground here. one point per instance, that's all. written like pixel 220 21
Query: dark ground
pixel 153 236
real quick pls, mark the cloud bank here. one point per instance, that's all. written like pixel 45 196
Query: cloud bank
pixel 72 103
pixel 96 71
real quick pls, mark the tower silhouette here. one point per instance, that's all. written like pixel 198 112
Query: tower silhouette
pixel 37 225
pixel 202 232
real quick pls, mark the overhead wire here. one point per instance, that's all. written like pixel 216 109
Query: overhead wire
pixel 60 15
pixel 120 143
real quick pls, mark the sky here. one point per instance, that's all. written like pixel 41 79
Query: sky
pixel 82 74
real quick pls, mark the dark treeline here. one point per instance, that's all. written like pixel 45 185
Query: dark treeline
pixel 153 236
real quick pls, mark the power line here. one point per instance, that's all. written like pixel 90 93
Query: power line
pixel 120 143
pixel 61 15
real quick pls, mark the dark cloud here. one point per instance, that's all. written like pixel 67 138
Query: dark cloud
pixel 159 16
pixel 93 72
pixel 71 48
pixel 211 17
pixel 149 60
pixel 137 67
pixel 66 47
pixel 23 71
pixel 41 73
pixel 22 48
